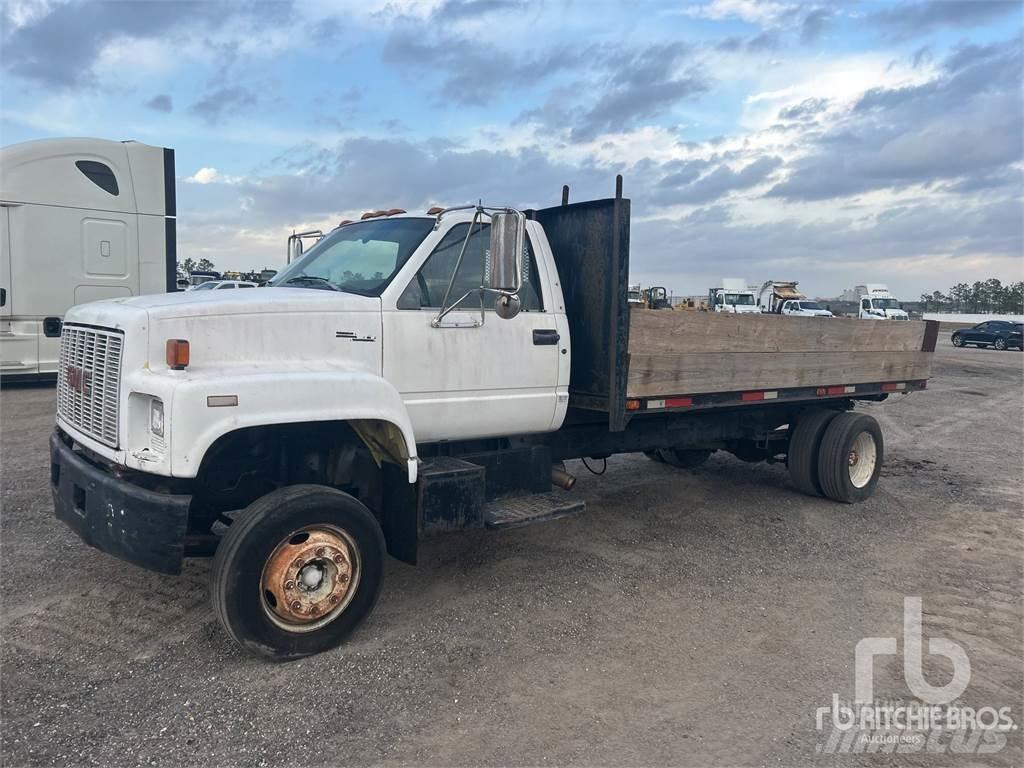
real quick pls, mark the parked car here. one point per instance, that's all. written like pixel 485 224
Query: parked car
pixel 1000 334
pixel 218 285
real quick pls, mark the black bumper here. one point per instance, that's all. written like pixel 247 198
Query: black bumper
pixel 132 523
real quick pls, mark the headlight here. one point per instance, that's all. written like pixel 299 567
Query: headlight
pixel 156 417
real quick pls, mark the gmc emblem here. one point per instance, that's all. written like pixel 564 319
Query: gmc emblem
pixel 78 379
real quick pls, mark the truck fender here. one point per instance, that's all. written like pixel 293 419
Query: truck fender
pixel 265 397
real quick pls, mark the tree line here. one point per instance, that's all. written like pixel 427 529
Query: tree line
pixel 984 296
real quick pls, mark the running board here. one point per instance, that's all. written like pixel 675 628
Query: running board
pixel 525 510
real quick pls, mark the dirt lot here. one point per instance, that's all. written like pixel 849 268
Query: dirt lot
pixel 686 618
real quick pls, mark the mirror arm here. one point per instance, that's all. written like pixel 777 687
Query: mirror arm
pixel 436 322
pixel 458 262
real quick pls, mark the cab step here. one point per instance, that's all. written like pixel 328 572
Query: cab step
pixel 525 510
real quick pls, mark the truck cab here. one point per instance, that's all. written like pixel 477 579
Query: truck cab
pixel 733 297
pixel 80 220
pixel 876 303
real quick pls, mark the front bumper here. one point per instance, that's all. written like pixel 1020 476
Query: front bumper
pixel 116 516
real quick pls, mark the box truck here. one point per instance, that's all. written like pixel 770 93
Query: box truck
pixel 733 296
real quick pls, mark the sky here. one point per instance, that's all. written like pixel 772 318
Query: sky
pixel 834 143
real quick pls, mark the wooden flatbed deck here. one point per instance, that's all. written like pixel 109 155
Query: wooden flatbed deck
pixel 678 353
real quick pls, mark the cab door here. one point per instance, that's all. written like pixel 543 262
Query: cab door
pixel 467 379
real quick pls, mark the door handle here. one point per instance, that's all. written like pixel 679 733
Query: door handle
pixel 545 337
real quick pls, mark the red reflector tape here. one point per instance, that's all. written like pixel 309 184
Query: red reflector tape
pixel 894 387
pixel 678 402
pixel 847 390
pixel 748 396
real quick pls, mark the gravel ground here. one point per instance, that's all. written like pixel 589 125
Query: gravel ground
pixel 686 618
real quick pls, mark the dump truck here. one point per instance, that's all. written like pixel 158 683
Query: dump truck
pixel 773 294
pixel 418 374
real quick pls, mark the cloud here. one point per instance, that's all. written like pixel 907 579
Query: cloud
pixel 60 48
pixel 814 24
pixel 475 71
pixel 622 107
pixel 805 110
pixel 716 184
pixel 921 18
pixel 160 103
pixel 760 12
pixel 966 122
pixel 640 84
pixel 219 102
pixel 211 176
pixel 456 10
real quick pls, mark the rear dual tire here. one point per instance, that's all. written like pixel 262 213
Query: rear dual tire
pixel 836 455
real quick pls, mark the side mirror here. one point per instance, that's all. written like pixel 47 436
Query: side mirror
pixel 294 248
pixel 507 306
pixel 503 269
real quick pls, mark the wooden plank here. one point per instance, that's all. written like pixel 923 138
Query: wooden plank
pixel 663 332
pixel 701 372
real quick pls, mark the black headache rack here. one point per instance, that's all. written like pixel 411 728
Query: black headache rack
pixel 590 245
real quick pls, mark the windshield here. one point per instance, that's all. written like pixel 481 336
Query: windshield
pixel 358 258
pixel 743 299
pixel 886 303
pixel 810 305
pixel 207 286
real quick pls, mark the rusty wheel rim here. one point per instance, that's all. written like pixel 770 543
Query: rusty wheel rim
pixel 310 578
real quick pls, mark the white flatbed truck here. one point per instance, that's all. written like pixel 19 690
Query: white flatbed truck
pixel 410 375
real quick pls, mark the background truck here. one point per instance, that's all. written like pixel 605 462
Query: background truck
pixel 876 303
pixel 80 220
pixel 803 308
pixel 412 375
pixel 773 294
pixel 733 296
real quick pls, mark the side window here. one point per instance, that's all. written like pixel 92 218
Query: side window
pixel 865 304
pixel 225 286
pixel 246 285
pixel 427 288
pixel 99 174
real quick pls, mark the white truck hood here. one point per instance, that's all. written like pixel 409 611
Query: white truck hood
pixel 241 301
pixel 257 326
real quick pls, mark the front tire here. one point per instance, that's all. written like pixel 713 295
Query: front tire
pixel 958 340
pixel 298 571
pixel 850 458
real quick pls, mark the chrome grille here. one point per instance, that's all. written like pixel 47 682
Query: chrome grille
pixel 88 381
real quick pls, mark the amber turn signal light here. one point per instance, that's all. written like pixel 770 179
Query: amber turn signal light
pixel 177 354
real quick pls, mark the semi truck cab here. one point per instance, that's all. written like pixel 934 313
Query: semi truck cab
pixel 876 303
pixel 80 220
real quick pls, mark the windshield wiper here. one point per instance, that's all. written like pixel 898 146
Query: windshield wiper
pixel 321 283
